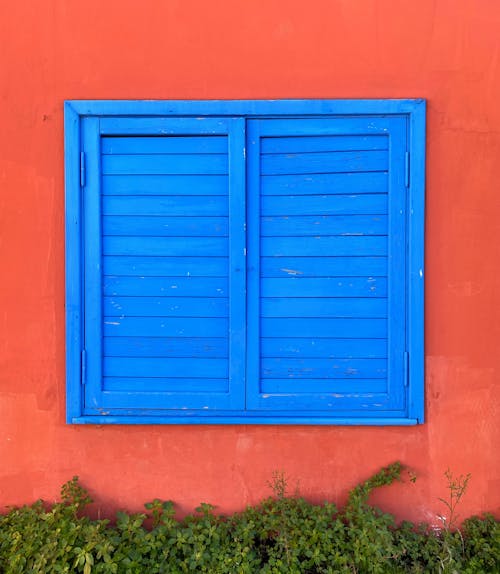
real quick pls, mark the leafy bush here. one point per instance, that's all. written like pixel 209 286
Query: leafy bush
pixel 283 534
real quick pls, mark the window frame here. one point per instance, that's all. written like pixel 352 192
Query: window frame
pixel 75 171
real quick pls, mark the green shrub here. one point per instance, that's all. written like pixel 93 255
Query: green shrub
pixel 282 534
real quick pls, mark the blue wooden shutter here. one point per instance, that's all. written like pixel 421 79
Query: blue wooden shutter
pixel 327 250
pixel 164 264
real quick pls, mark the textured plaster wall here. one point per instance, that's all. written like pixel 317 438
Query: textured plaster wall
pixel 444 50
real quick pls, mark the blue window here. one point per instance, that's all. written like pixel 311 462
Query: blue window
pixel 245 261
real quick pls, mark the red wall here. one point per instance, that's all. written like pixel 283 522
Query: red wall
pixel 444 50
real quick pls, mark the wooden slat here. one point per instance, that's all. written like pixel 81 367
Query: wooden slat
pixel 359 122
pixel 345 328
pixel 325 183
pixel 171 205
pixel 165 164
pixel 165 267
pixel 181 185
pixel 165 306
pixel 324 287
pixel 324 225
pixel 163 144
pixel 159 367
pixel 323 266
pixel 324 162
pixel 294 144
pixel 218 246
pixel 323 347
pixel 369 204
pixel 165 286
pixel 166 246
pixel 164 327
pixel 166 226
pixel 278 368
pixel 323 307
pixel 166 347
pixel 329 245
pixel 135 121
pixel 340 387
pixel 142 385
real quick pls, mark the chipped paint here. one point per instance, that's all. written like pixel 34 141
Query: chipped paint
pixel 292 271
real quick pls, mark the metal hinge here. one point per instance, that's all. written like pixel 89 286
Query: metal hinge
pixel 82 169
pixel 84 366
pixel 407 169
pixel 406 367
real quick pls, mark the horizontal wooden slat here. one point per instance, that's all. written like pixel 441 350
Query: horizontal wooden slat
pixel 345 328
pixel 200 247
pixel 294 144
pixel 323 347
pixel 325 183
pixel 322 266
pixel 138 118
pixel 346 122
pixel 166 286
pixel 181 185
pixel 369 204
pixel 323 307
pixel 277 368
pixel 142 385
pixel 329 245
pixel 333 387
pixel 166 306
pixel 171 205
pixel 164 144
pixel 324 162
pixel 324 287
pixel 166 226
pixel 166 266
pixel 324 225
pixel 164 327
pixel 166 246
pixel 159 367
pixel 165 347
pixel 165 164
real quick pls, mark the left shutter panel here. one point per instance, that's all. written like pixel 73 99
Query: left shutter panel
pixel 164 228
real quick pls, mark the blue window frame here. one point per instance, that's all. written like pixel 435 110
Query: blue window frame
pixel 245 261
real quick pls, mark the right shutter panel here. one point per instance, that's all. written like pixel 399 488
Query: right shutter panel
pixel 326 287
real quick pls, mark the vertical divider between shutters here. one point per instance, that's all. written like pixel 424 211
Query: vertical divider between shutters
pixel 93 263
pixel 237 266
pixel 253 264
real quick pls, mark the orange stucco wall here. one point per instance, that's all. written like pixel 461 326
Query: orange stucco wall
pixel 447 51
